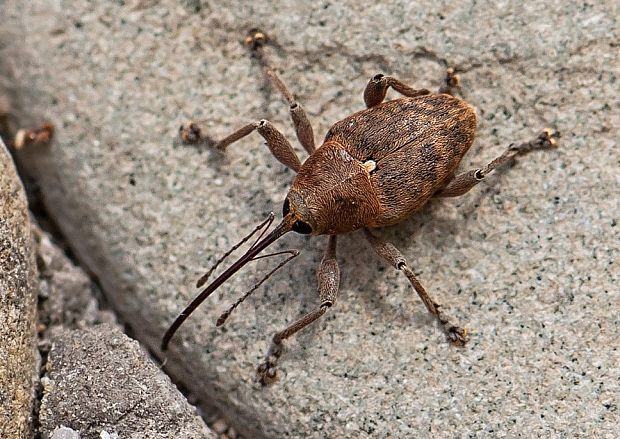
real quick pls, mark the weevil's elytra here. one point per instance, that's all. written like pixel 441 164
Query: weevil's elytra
pixel 375 168
pixel 415 145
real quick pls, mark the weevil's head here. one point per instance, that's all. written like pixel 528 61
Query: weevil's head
pixel 301 219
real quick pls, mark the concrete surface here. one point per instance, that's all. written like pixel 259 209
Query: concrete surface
pixel 18 292
pixel 528 259
pixel 123 375
pixel 100 383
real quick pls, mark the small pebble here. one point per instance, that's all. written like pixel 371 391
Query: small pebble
pixel 63 432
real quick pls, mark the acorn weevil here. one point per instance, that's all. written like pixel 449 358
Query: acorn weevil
pixel 374 169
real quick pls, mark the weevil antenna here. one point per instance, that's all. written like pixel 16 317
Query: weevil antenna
pixel 292 255
pixel 285 226
pixel 203 279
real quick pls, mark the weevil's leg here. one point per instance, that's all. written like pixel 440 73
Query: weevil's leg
pixel 41 135
pixel 256 39
pixel 378 85
pixel 276 142
pixel 462 183
pixel 303 129
pixel 451 82
pixel 329 281
pixel 456 334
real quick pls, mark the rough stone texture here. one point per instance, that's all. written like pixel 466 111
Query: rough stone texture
pixel 66 293
pixel 528 259
pixel 99 380
pixel 67 301
pixel 18 292
pixel 65 433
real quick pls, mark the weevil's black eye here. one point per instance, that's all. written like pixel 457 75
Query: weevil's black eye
pixel 286 208
pixel 301 227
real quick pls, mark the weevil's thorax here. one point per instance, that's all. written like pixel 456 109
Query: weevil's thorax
pixel 332 191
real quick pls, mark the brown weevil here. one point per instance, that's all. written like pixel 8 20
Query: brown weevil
pixel 374 169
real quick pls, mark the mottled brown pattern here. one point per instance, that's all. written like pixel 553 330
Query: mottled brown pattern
pixel 417 144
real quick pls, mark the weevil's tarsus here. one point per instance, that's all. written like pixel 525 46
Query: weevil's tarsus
pixel 329 283
pixel 463 182
pixel 191 134
pixel 267 372
pixel 285 226
pixel 456 334
pixel 264 226
pixel 451 82
pixel 292 254
pixel 256 38
pixel 41 135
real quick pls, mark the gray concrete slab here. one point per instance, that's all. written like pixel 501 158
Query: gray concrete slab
pixel 528 260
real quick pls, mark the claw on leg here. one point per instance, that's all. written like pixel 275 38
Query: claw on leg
pixel 190 133
pixel 451 82
pixel 256 38
pixel 267 372
pixel 457 335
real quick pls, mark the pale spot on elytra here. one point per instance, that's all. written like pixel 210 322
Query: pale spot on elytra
pixel 370 166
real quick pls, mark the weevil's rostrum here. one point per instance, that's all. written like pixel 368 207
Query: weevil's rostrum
pixel 375 168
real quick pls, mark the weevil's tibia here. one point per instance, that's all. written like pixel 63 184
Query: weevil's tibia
pixel 329 282
pixel 462 183
pixel 456 334
pixel 257 39
pixel 377 88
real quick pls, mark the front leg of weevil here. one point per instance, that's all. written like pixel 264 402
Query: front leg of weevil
pixel 456 334
pixel 276 142
pixel 329 282
pixel 462 183
pixel 256 40
pixel 377 88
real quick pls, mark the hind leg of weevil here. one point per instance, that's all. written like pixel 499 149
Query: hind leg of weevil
pixel 462 183
pixel 329 281
pixel 456 334
pixel 377 88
